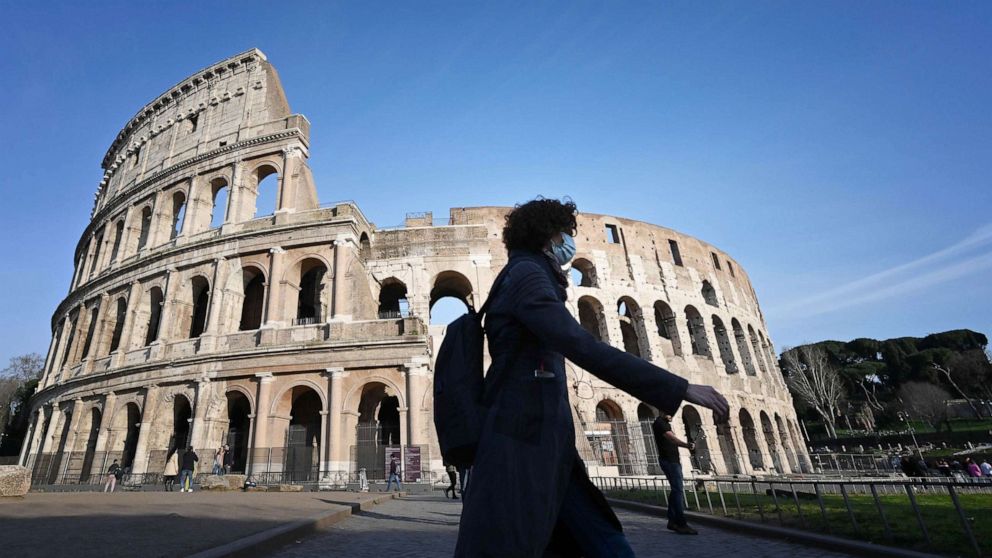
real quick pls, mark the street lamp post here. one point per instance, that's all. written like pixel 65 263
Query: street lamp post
pixel 904 416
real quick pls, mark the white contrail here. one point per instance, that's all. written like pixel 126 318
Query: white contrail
pixel 899 279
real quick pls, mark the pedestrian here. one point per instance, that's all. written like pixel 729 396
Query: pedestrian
pixel 943 467
pixel 189 460
pixel 530 492
pixel 114 474
pixel 464 473
pixel 453 477
pixel 393 475
pixel 922 470
pixel 171 470
pixel 228 459
pixel 668 458
pixel 973 469
pixel 986 468
pixel 219 461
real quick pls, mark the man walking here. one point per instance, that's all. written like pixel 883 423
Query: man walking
pixel 393 475
pixel 186 475
pixel 668 457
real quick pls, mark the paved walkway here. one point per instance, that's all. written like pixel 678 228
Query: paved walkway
pixel 149 524
pixel 426 527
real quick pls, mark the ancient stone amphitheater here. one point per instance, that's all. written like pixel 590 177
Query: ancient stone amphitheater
pixel 216 300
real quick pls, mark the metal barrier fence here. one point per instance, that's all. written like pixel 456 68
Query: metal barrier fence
pixel 845 507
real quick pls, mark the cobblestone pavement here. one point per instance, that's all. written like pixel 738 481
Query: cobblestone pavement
pixel 426 526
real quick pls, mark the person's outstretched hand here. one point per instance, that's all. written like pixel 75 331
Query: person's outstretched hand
pixel 710 398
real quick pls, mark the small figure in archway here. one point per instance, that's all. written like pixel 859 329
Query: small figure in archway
pixel 171 470
pixel 453 477
pixel 389 420
pixel 394 475
pixel 114 474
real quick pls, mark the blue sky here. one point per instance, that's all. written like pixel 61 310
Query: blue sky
pixel 839 150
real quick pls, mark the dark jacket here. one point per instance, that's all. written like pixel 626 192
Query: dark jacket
pixel 527 453
pixel 189 458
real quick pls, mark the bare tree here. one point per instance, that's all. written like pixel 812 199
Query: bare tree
pixel 816 382
pixel 926 401
pixel 21 370
pixel 946 370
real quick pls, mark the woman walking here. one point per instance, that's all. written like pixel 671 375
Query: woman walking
pixel 531 495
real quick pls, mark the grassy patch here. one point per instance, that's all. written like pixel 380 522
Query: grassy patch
pixel 937 511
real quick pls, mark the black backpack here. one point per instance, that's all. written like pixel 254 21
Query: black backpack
pixel 458 385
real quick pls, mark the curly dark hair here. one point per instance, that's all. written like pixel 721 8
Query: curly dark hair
pixel 529 226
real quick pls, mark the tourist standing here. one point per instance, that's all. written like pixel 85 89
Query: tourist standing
pixel 228 459
pixel 219 461
pixel 668 458
pixel 973 469
pixel 530 492
pixel 171 470
pixel 189 460
pixel 986 468
pixel 453 477
pixel 393 475
pixel 114 474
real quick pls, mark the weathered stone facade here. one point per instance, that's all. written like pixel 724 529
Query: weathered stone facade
pixel 301 337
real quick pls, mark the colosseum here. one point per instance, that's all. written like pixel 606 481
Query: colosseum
pixel 216 300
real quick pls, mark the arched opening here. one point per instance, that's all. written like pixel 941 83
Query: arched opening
pixel 668 329
pixel 178 214
pixel 646 414
pixel 694 432
pixel 697 332
pixel 310 304
pixel 759 356
pixel 614 448
pixel 200 291
pixel 182 419
pixel 787 447
pixel 155 300
pixel 131 430
pixel 55 472
pixel 67 348
pixel 583 273
pixel 742 348
pixel 364 247
pixel 591 317
pixel 238 427
pixel 253 284
pixel 146 225
pixel 769 351
pixel 90 451
pixel 97 244
pixel 219 199
pixel 267 188
pixel 378 427
pixel 632 327
pixel 725 439
pixel 303 436
pixel 393 303
pixel 709 294
pixel 91 329
pixel 450 297
pixel 769 432
pixel 120 314
pixel 799 443
pixel 723 343
pixel 118 237
pixel 751 440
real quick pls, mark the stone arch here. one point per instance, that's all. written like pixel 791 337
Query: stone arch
pixel 253 297
pixel 756 348
pixel 282 403
pixel 723 344
pixel 583 273
pixel 393 303
pixel 298 412
pixel 65 423
pixel 196 321
pixel 177 217
pixel 118 240
pixel 310 274
pixel 182 416
pixel 154 299
pixel 709 294
pixel 697 332
pixel 364 247
pixel 770 442
pixel 787 447
pixel 219 201
pixel 592 318
pixel 668 329
pixel 742 348
pixel 646 415
pixel 454 287
pixel 267 189
pixel 700 458
pixel 635 338
pixel 799 443
pixel 377 402
pixel 126 420
pixel 609 415
pixel 751 440
pixel 725 439
pixel 88 438
pixel 120 316
pixel 144 227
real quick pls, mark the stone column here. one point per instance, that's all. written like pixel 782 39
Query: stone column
pixel 324 437
pixel 53 419
pixel 417 380
pixel 46 376
pixel 31 439
pixel 261 441
pixel 286 201
pixel 133 301
pixel 274 291
pixel 109 406
pixel 200 407
pixel 404 439
pixel 211 329
pixel 236 212
pixel 337 456
pixel 341 289
pixel 147 417
pixel 168 307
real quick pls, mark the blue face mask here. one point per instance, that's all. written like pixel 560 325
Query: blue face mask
pixel 565 251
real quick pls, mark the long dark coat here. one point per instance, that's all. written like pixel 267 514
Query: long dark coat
pixel 526 455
